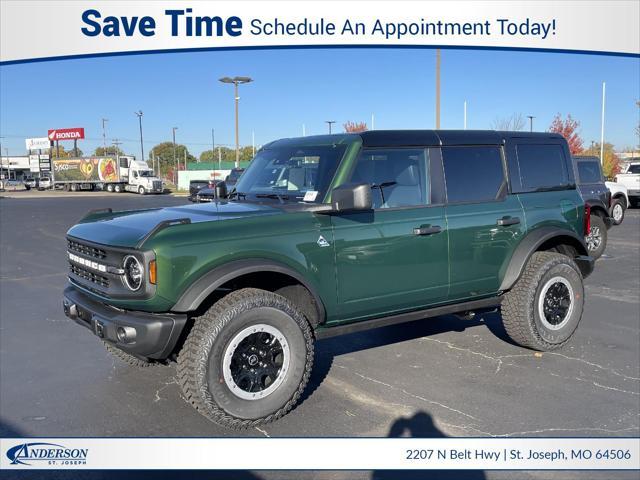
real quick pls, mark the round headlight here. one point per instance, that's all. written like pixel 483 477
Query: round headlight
pixel 133 272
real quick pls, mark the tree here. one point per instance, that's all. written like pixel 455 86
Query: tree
pixel 611 163
pixel 111 150
pixel 164 153
pixel 63 153
pixel 513 123
pixel 355 127
pixel 227 154
pixel 569 129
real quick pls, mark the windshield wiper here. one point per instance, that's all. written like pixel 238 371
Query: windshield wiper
pixel 278 196
pixel 235 193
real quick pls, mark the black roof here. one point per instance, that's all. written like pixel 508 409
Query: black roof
pixel 390 138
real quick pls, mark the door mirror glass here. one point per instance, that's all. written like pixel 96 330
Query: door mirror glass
pixel 221 190
pixel 352 197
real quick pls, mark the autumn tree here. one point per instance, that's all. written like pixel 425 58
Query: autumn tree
pixel 111 150
pixel 611 164
pixel 569 129
pixel 60 152
pixel 355 127
pixel 512 123
pixel 163 152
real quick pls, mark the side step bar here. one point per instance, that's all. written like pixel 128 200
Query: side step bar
pixel 328 331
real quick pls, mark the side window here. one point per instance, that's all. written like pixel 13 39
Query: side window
pixel 398 177
pixel 473 174
pixel 589 172
pixel 542 166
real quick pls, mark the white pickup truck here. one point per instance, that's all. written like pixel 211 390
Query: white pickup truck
pixel 630 178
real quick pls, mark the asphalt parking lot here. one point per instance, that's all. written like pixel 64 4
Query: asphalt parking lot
pixel 439 377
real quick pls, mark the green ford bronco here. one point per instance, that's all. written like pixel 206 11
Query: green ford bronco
pixel 328 235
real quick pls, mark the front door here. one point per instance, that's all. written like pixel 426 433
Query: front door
pixel 394 257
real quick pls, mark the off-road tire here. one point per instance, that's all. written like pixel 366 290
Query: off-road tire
pixel 200 359
pixel 130 359
pixel 520 306
pixel 597 223
pixel 617 205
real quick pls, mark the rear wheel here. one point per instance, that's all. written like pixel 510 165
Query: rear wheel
pixel 596 240
pixel 74 187
pixel 247 360
pixel 110 188
pixel 117 188
pixel 544 307
pixel 617 210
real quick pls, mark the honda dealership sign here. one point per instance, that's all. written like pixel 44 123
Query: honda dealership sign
pixel 41 143
pixel 66 134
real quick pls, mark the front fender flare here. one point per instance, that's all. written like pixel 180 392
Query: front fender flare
pixel 199 290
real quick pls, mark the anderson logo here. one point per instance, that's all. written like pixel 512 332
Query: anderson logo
pixel 50 453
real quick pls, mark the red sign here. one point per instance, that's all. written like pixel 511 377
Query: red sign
pixel 66 134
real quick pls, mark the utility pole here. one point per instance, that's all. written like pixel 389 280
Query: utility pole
pixel 465 114
pixel 139 114
pixel 116 143
pixel 437 89
pixel 175 165
pixel 219 158
pixel 373 121
pixel 104 136
pixel 530 117
pixel 253 144
pixel 604 85
pixel 236 81
pixel 329 122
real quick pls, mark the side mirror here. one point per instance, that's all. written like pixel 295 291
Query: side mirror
pixel 221 190
pixel 352 197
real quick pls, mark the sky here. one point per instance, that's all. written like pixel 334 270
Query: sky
pixel 293 87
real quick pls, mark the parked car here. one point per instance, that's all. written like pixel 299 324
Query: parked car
pixel 619 201
pixel 30 182
pixel 195 186
pixel 396 226
pixel 630 178
pixel 44 183
pixel 13 185
pixel 598 197
pixel 233 177
pixel 212 192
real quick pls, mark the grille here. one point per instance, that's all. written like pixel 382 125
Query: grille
pixel 92 277
pixel 86 250
pixel 157 184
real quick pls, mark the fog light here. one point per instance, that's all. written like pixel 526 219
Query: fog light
pixel 126 334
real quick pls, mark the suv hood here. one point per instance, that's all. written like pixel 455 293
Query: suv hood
pixel 126 229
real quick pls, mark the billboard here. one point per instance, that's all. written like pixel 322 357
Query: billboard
pixel 90 169
pixel 40 143
pixel 34 163
pixel 66 134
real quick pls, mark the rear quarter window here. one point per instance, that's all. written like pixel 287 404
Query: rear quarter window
pixel 542 167
pixel 473 174
pixel 589 172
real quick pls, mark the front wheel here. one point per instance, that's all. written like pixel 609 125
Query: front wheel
pixel 544 307
pixel 596 240
pixel 617 211
pixel 141 190
pixel 247 360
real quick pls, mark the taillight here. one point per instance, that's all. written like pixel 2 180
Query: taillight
pixel 587 219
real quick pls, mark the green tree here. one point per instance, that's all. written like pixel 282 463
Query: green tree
pixel 64 153
pixel 164 152
pixel 111 150
pixel 226 154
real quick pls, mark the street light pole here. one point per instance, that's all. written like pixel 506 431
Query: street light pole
pixel 175 165
pixel 104 136
pixel 236 81
pixel 530 117
pixel 437 89
pixel 329 122
pixel 139 114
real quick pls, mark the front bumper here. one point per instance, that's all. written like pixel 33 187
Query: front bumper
pixel 143 334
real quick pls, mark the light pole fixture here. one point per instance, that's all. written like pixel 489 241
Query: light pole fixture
pixel 530 117
pixel 175 165
pixel 236 81
pixel 329 122
pixel 139 114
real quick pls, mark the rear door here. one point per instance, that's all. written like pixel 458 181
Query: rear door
pixel 485 222
pixel 591 181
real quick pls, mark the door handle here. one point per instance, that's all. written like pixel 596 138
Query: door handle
pixel 427 230
pixel 506 221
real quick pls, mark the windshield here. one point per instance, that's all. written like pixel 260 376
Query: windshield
pixel 634 168
pixel 145 173
pixel 291 172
